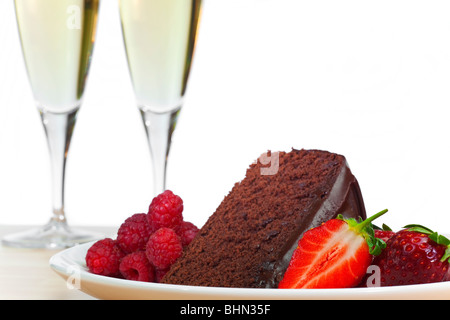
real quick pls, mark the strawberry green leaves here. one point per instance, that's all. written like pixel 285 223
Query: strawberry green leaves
pixel 366 229
pixel 439 239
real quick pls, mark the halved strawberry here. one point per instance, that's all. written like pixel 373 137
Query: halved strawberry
pixel 333 255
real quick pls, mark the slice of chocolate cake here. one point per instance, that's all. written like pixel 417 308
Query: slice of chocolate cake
pixel 248 242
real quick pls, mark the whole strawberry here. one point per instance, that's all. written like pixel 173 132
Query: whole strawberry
pixel 384 233
pixel 414 255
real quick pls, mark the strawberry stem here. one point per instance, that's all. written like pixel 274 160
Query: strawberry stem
pixel 361 226
pixel 365 229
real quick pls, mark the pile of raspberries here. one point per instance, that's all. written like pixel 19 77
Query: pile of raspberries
pixel 147 244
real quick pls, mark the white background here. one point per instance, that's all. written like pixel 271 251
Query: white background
pixel 367 79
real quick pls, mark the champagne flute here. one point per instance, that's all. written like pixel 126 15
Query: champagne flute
pixel 160 37
pixel 57 38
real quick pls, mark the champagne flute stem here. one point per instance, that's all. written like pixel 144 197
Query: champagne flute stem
pixel 56 233
pixel 59 129
pixel 159 128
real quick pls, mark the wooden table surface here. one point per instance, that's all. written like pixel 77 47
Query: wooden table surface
pixel 25 274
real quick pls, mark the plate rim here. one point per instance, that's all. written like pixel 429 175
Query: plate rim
pixel 62 262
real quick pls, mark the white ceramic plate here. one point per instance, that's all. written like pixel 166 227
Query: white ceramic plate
pixel 70 265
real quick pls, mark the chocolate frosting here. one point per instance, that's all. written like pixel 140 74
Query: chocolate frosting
pixel 345 198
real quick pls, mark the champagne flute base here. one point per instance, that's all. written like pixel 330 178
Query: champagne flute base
pixel 53 235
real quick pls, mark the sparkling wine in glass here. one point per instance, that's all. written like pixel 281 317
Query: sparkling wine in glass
pixel 160 37
pixel 57 38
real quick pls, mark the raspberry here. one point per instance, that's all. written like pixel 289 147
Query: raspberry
pixel 133 234
pixel 187 231
pixel 103 258
pixel 135 266
pixel 165 211
pixel 164 248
